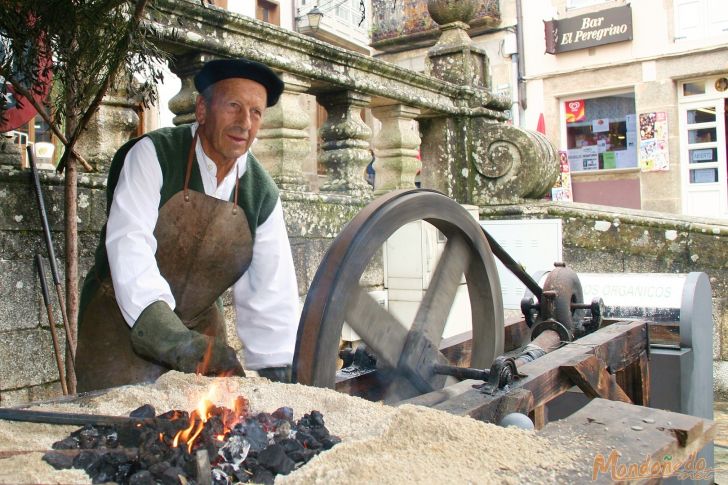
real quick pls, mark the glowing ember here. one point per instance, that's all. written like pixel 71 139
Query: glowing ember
pixel 240 446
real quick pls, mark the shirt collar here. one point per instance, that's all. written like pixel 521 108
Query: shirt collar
pixel 207 163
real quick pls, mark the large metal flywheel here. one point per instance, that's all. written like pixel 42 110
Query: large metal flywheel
pixel 335 297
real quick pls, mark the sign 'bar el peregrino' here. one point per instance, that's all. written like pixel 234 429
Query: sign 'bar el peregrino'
pixel 589 30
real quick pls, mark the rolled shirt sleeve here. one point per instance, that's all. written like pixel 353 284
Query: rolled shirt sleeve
pixel 266 298
pixel 130 242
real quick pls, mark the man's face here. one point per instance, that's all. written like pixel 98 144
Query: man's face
pixel 230 120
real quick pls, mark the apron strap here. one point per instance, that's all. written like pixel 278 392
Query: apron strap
pixel 237 183
pixel 190 156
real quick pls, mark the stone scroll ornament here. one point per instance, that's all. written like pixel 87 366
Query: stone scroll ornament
pixel 512 163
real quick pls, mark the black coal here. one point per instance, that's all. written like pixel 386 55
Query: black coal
pixel 256 448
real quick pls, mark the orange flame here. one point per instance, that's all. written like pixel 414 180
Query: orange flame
pixel 203 367
pixel 204 412
pixel 198 418
pixel 204 364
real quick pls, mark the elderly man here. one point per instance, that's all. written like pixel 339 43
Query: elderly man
pixel 191 213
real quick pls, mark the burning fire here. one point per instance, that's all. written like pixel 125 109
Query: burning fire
pixel 204 364
pixel 203 367
pixel 205 411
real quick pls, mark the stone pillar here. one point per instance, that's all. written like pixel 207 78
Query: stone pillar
pixel 283 143
pixel 114 123
pixel 345 143
pixel 395 148
pixel 444 160
pixel 446 165
pixel 454 58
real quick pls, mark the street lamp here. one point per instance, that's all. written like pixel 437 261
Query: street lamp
pixel 314 18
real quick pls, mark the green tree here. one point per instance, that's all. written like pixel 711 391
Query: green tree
pixel 87 46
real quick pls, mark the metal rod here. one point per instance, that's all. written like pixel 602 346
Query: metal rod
pixel 70 341
pixel 461 373
pixel 51 417
pixel 128 428
pixel 513 266
pixel 52 323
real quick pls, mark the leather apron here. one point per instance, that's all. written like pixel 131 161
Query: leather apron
pixel 204 246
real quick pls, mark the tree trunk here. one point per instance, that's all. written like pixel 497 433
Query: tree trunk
pixel 71 211
pixel 71 235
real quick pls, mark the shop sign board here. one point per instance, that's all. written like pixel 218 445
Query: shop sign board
pixel 589 30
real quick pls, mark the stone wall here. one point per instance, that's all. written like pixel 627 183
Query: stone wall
pixel 604 239
pixel 27 365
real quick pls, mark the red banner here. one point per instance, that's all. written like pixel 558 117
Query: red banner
pixel 575 110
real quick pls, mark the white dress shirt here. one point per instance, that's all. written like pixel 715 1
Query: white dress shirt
pixel 265 297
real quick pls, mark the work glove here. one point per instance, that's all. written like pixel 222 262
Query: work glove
pixel 160 335
pixel 276 374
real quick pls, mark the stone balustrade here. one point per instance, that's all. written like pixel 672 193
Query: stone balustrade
pixel 453 96
pixel 446 123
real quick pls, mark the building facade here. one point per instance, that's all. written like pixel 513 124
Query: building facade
pixel 633 93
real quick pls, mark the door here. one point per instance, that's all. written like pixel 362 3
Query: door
pixel 703 158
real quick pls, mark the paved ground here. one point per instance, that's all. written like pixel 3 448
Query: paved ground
pixel 720 410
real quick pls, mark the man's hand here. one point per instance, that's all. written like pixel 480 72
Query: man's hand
pixel 160 335
pixel 221 360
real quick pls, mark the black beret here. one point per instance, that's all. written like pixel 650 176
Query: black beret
pixel 220 69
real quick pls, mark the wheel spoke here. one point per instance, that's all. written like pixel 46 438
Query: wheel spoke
pixel 436 304
pixel 382 333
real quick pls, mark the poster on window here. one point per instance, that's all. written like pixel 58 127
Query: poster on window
pixel 562 188
pixel 575 110
pixel 653 151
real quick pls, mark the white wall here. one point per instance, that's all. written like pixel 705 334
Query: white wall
pixel 653 30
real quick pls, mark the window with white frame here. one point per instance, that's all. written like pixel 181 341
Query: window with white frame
pixel 696 19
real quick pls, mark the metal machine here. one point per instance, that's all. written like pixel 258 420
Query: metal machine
pixel 412 359
pixel 561 343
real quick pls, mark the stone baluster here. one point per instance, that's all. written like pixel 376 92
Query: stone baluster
pixel 283 142
pixel 395 148
pixel 345 143
pixel 183 103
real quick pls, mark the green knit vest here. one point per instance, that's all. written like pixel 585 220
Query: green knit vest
pixel 257 193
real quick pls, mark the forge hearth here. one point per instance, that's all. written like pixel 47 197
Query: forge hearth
pixel 380 444
pixel 212 445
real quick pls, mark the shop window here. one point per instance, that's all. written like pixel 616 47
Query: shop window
pixel 601 133
pixel 267 12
